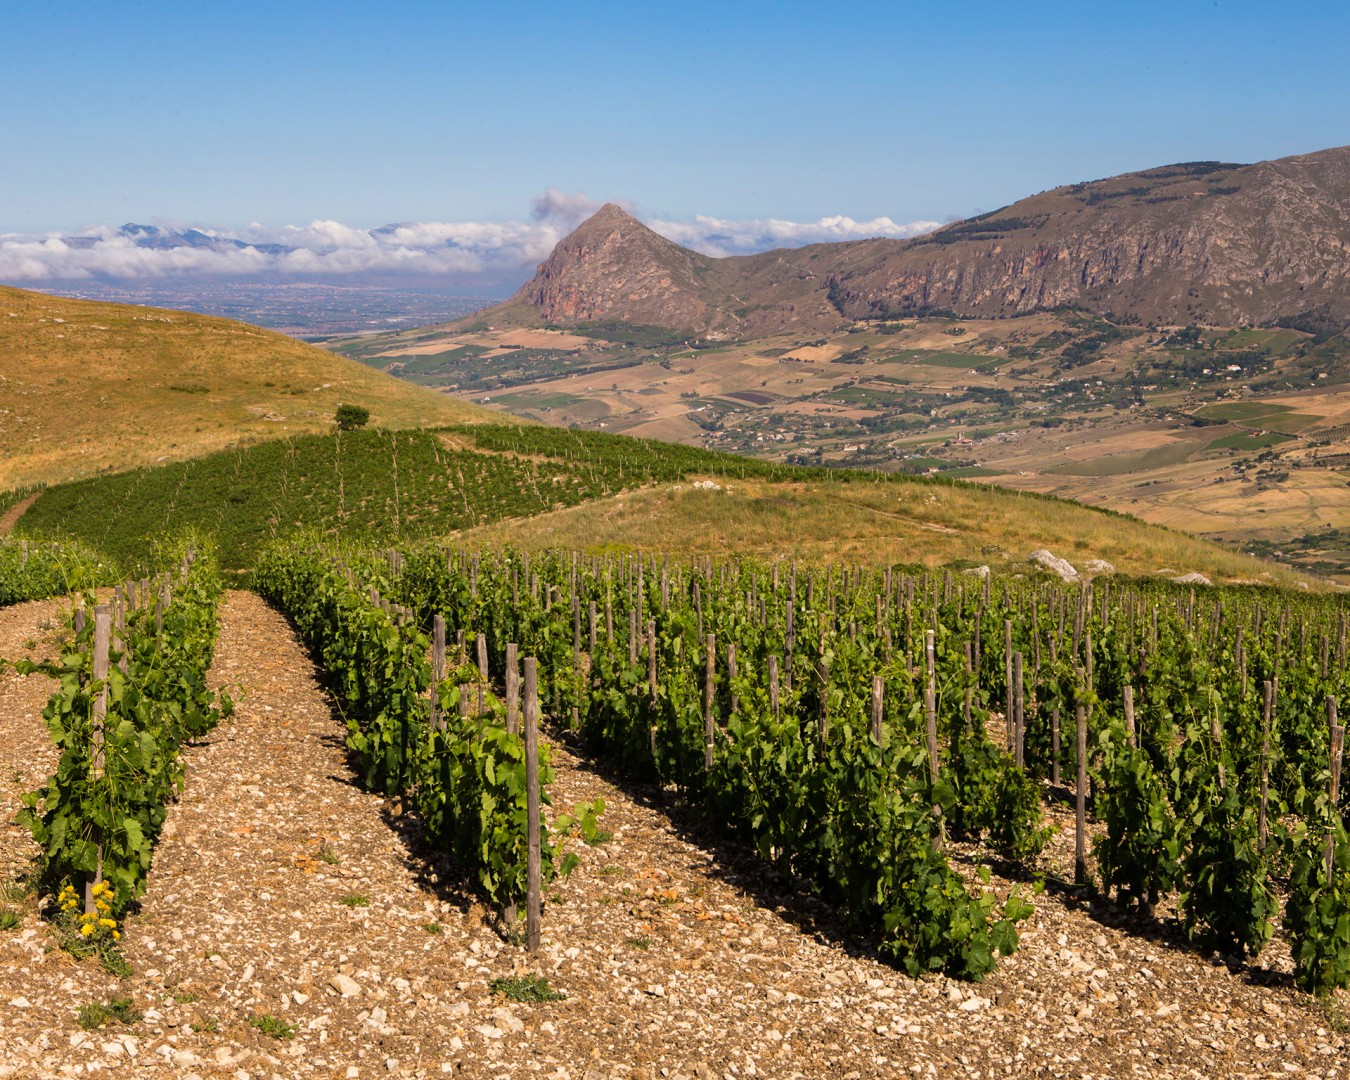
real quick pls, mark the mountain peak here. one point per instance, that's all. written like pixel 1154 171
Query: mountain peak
pixel 612 266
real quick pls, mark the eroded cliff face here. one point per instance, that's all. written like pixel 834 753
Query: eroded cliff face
pixel 1201 242
pixel 1221 245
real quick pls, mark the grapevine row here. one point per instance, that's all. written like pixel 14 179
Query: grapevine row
pixel 825 715
pixel 132 693
pixel 450 749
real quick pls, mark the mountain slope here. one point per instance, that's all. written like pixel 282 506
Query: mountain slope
pixel 88 387
pixel 1206 242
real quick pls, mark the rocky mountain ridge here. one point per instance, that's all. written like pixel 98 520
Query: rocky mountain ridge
pixel 1205 242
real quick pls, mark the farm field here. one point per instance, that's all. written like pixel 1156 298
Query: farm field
pixel 1065 403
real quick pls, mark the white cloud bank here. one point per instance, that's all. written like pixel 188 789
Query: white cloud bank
pixel 452 252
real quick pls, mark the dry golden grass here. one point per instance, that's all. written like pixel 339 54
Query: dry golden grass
pixel 90 387
pixel 877 524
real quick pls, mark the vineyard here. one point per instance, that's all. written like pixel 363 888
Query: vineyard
pixel 849 724
pixel 399 487
pixel 915 754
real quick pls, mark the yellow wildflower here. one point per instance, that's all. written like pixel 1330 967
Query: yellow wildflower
pixel 111 924
pixel 117 936
pixel 87 929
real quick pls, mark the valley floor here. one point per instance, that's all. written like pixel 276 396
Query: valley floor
pixel 677 957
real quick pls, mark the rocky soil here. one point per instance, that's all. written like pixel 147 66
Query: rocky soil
pixel 283 894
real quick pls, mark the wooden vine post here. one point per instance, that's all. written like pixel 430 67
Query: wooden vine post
pixel 930 717
pixel 512 689
pixel 1080 801
pixel 102 643
pixel 1337 746
pixel 1267 715
pixel 1130 737
pixel 437 670
pixel 709 724
pixel 773 687
pixel 1019 715
pixel 731 677
pixel 878 691
pixel 482 674
pixel 1008 681
pixel 533 866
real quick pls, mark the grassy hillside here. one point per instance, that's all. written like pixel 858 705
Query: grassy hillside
pixel 544 486
pixel 872 521
pixel 90 387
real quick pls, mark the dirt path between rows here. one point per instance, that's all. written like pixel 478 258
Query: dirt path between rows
pixel 282 890
pixel 10 517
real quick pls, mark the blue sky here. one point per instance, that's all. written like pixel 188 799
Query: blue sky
pixel 281 113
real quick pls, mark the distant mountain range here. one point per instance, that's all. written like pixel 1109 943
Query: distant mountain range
pixel 1198 242
pixel 159 238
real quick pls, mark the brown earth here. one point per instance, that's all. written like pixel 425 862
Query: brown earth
pixel 680 957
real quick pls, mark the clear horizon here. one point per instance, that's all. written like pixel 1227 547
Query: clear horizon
pixel 727 128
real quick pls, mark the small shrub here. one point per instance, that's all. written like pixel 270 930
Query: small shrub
pixel 351 417
pixel 10 920
pixel 92 1016
pixel 355 900
pixel 526 988
pixel 96 1013
pixel 273 1026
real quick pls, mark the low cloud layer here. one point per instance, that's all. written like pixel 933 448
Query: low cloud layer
pixel 719 236
pixel 452 253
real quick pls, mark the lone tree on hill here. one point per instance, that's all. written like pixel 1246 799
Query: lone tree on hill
pixel 351 417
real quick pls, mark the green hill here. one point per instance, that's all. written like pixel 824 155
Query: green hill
pixel 540 486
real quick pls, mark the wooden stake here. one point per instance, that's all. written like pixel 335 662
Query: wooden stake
pixel 930 715
pixel 512 689
pixel 773 686
pixel 533 867
pixel 1008 681
pixel 1019 724
pixel 1054 743
pixel 1080 802
pixel 482 674
pixel 651 659
pixel 437 670
pixel 1337 746
pixel 1267 714
pixel 731 677
pixel 709 685
pixel 1129 716
pixel 878 690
